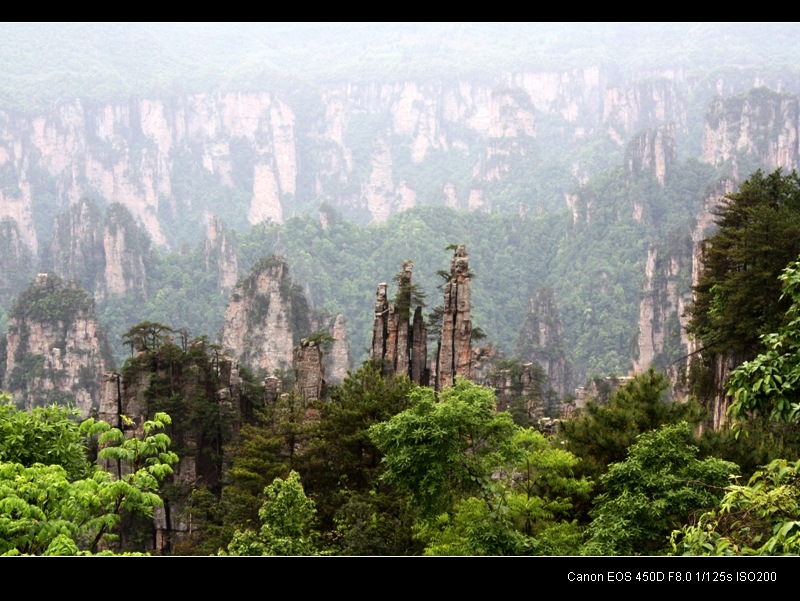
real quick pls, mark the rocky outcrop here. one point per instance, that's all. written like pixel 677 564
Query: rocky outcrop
pixel 16 262
pixel 139 154
pixel 646 103
pixel 398 343
pixel 756 129
pixel 454 357
pixel 337 359
pixel 715 369
pixel 651 153
pixel 104 251
pixel 309 372
pixel 56 351
pixel 220 255
pixel 371 147
pixel 266 318
pixel 662 341
pixel 541 340
pixel 520 388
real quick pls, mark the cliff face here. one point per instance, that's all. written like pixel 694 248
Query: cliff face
pixel 131 153
pixel 541 340
pixel 266 318
pixel 759 127
pixel 309 371
pixel 336 359
pixel 652 153
pixel 368 149
pixel 662 339
pixel 220 255
pixel 55 350
pixel 16 262
pixel 717 368
pixel 104 250
pixel 521 390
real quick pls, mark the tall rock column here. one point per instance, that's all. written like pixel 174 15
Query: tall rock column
pixel 454 358
pixel 379 327
pixel 309 373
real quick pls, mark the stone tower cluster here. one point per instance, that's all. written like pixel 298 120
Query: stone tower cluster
pixel 399 342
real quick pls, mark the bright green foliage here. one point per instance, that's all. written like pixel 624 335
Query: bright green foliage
pixel 762 518
pixel 736 299
pixel 287 518
pixel 522 512
pixel 769 385
pixel 474 528
pixel 47 435
pixel 602 434
pixel 542 483
pixel 43 510
pixel 483 485
pixel 442 450
pixel 655 490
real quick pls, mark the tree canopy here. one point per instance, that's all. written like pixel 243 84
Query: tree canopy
pixel 759 518
pixel 738 296
pixel 54 502
pixel 769 385
pixel 603 432
pixel 654 491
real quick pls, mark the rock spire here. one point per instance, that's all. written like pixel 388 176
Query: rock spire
pixel 455 353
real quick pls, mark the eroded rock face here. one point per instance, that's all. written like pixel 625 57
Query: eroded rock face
pixel 520 388
pixel 652 153
pixel 148 153
pixel 16 261
pixel 455 352
pixel 541 340
pixel 220 255
pixel 56 351
pixel 337 360
pixel 759 127
pixel 720 368
pixel 266 318
pixel 662 341
pixel 309 372
pixel 399 343
pixel 104 250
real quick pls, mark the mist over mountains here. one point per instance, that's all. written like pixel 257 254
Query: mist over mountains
pixel 577 158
